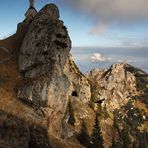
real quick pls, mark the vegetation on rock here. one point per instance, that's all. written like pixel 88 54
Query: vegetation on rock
pixel 71 119
pixel 83 136
pixel 96 136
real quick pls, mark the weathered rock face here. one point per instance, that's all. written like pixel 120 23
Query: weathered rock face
pixel 51 77
pixel 114 84
pixel 81 86
pixel 124 110
pixel 46 45
pixel 42 57
pixel 44 52
pixel 80 94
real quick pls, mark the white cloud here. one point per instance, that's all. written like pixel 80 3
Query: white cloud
pixel 98 57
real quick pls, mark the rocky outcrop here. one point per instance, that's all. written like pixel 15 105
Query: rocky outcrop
pixel 114 84
pixel 44 53
pixel 81 86
pixel 51 78
pixel 124 109
pixel 46 45
pixel 42 57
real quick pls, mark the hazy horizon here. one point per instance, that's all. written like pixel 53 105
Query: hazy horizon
pixel 88 58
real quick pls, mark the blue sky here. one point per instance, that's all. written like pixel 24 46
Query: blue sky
pixel 111 23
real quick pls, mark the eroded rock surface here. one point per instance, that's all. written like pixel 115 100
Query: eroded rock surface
pixel 114 84
pixel 51 77
pixel 46 45
pixel 124 109
pixel 42 57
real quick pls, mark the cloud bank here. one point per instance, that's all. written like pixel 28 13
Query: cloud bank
pixel 111 10
pixel 106 12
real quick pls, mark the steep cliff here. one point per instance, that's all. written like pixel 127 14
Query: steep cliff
pixel 43 80
pixel 50 80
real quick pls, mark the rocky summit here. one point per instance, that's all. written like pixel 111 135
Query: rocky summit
pixel 124 91
pixel 46 102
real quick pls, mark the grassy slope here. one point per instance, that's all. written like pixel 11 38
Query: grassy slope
pixel 14 42
pixel 10 78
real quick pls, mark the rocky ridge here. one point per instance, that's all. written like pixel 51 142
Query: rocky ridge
pixel 124 90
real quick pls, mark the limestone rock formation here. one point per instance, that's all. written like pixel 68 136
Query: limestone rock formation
pixel 51 77
pixel 114 84
pixel 125 90
pixel 44 52
pixel 81 86
pixel 46 44
pixel 42 57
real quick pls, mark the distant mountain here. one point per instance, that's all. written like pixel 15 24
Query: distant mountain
pixel 124 89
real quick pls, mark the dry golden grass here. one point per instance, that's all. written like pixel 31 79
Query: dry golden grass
pixel 10 78
pixel 14 42
pixel 9 42
pixel 140 105
pixel 59 143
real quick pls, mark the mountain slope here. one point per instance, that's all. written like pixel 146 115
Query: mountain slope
pixel 125 90
pixel 43 92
